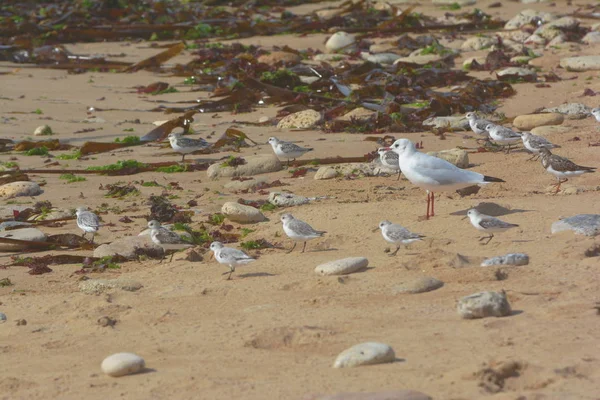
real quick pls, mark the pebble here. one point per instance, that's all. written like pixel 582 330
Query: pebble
pixel 20 188
pixel 520 59
pixel 571 110
pixel 530 121
pixel 368 353
pixel 43 130
pixel 246 184
pixel 276 57
pixel 508 259
pixel 330 57
pixel 12 224
pixel 526 74
pixel 478 43
pixel 281 199
pixel 420 285
pixel 591 38
pixel 106 321
pixel 121 364
pixel 255 165
pixel 582 224
pixel 300 120
pixel 484 304
pixel 462 3
pixel 326 172
pixel 27 234
pixel 458 157
pixel 535 40
pixel 128 247
pixel 380 58
pixel 359 113
pixel 341 41
pixel 391 395
pixel 241 213
pixel 343 266
pixel 527 17
pixel 580 64
pixel 421 59
pixel 550 129
pixel 97 286
pixel 452 123
pixel 555 28
pixel 2 318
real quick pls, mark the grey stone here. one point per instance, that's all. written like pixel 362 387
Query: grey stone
pixel 582 63
pixel 554 28
pixel 591 38
pixel 245 184
pixel 12 224
pixel 281 199
pixel 508 259
pixel 97 286
pixel 420 285
pixel 359 113
pixel 300 120
pixel 7 212
pixel 127 247
pixel 368 353
pixel 43 130
pixel 524 73
pixel 26 234
pixel 484 304
pixel 326 172
pixel 255 165
pixel 341 41
pixel 452 123
pixel 421 59
pixel 475 43
pixel 330 57
pixel 276 57
pixel 582 224
pixel 21 188
pixel 528 16
pixel 571 110
pixel 391 395
pixel 380 58
pixel 458 157
pixel 343 266
pixel 122 364
pixel 242 213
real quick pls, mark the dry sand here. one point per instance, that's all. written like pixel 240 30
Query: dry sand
pixel 274 330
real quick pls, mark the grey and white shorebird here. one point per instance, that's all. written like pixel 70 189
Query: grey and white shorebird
pixel 87 221
pixel 434 174
pixel 596 113
pixel 299 231
pixel 478 124
pixel 166 238
pixel 561 167
pixel 287 150
pixel 534 143
pixel 502 135
pixel 183 145
pixel 488 224
pixel 397 235
pixel 230 256
pixel 389 159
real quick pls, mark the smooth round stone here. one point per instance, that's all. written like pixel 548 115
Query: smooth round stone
pixel 276 57
pixel 245 184
pixel 26 234
pixel 20 188
pixel 359 113
pixel 451 123
pixel 325 173
pixel 530 121
pixel 526 17
pixel 2 318
pixel 508 259
pixel 343 266
pixel 242 213
pixel 300 120
pixel 255 165
pixel 484 304
pixel 419 285
pixel 524 73
pixel 127 247
pixel 458 157
pixel 340 41
pixel 550 129
pixel 368 353
pixel 478 43
pixel 281 199
pixel 121 364
pixel 571 110
pixel 380 58
pixel 43 130
pixel 582 63
pixel 582 224
pixel 591 38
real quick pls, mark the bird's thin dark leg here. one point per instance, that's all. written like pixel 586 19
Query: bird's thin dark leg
pixel 292 249
pixel 395 252
pixel 303 247
pixel 489 238
pixel 428 200
pixel 92 241
pixel 432 204
pixel 83 235
pixel 231 270
pixel 172 254
pixel 534 157
pixel 183 157
pixel 399 173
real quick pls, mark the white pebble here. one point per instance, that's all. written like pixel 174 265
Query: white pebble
pixel 343 266
pixel 368 353
pixel 121 364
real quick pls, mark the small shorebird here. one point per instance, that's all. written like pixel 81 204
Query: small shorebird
pixel 165 237
pixel 562 168
pixel 487 224
pixel 287 150
pixel 389 159
pixel 502 135
pixel 230 256
pixel 434 174
pixel 397 235
pixel 478 124
pixel 299 231
pixel 87 221
pixel 185 145
pixel 534 143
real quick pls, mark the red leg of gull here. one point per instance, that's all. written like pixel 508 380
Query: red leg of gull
pixel 432 204
pixel 428 202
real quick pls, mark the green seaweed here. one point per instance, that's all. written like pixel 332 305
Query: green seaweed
pixel 70 178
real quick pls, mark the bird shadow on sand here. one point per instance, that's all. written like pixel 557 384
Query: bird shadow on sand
pixel 493 209
pixel 255 275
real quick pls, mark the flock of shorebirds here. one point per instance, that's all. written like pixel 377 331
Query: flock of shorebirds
pixel 428 172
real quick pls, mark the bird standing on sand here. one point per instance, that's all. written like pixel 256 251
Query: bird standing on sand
pixel 185 146
pixel 389 159
pixel 165 237
pixel 287 150
pixel 299 231
pixel 534 143
pixel 230 257
pixel 477 124
pixel 502 135
pixel 87 221
pixel 397 235
pixel 487 224
pixel 562 168
pixel 434 174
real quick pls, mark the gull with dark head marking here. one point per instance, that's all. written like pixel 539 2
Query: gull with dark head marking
pixel 166 238
pixel 299 231
pixel 87 221
pixel 561 167
pixel 389 159
pixel 434 174
pixel 534 143
pixel 477 124
pixel 502 135
pixel 487 224
pixel 287 150
pixel 230 256
pixel 398 235
pixel 185 145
